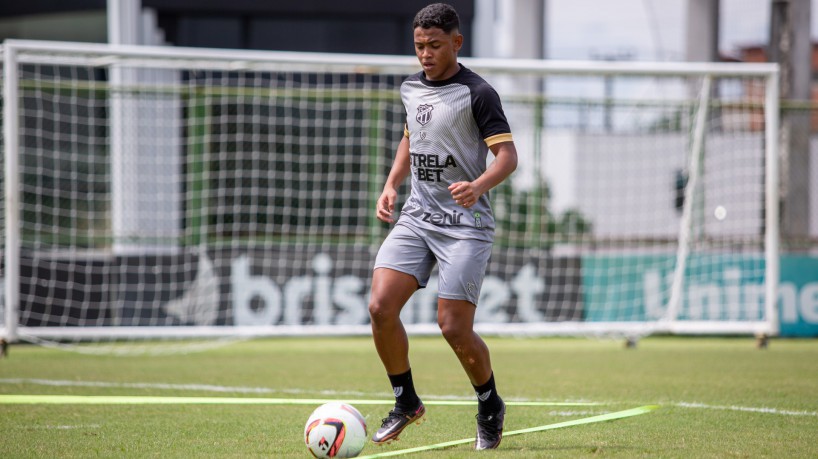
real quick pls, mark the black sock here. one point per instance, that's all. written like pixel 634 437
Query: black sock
pixel 488 402
pixel 405 397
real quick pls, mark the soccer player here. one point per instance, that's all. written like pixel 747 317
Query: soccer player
pixel 453 119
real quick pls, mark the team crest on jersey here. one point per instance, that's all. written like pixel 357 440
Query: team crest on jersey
pixel 424 114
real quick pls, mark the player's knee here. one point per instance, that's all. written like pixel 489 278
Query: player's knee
pixel 452 331
pixel 375 310
pixel 381 311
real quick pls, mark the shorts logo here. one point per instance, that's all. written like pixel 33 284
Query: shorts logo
pixel 424 114
pixel 471 287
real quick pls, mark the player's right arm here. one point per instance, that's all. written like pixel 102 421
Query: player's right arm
pixel 400 170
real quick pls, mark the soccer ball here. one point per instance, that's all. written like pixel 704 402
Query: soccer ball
pixel 335 430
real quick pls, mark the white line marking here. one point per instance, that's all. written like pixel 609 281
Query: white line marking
pixel 748 409
pixel 163 386
pixel 334 393
pixel 242 390
pixel 574 413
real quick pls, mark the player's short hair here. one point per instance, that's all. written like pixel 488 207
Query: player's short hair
pixel 440 15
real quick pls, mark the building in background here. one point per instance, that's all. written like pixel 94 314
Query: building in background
pixel 351 26
pixel 758 53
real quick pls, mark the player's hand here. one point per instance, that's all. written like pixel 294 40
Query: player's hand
pixel 386 205
pixel 464 193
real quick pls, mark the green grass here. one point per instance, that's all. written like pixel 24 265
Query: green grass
pixel 711 392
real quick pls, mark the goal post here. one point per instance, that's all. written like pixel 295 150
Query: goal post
pixel 156 192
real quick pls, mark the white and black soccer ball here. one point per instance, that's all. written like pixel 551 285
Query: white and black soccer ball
pixel 335 430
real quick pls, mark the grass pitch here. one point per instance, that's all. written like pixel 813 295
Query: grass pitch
pixel 717 397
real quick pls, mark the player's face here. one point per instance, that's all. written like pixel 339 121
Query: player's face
pixel 437 52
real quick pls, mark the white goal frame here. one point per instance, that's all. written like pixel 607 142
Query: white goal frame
pixel 18 52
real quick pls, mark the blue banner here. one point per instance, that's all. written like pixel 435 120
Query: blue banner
pixel 715 287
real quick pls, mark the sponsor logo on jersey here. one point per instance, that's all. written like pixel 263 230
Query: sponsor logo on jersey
pixel 430 167
pixel 436 218
pixel 424 114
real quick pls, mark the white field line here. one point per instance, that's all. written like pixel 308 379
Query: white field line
pixel 163 386
pixel 266 390
pixel 749 409
pixel 239 389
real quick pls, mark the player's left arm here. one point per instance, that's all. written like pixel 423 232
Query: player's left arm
pixel 466 194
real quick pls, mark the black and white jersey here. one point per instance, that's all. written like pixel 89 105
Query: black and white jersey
pixel 450 125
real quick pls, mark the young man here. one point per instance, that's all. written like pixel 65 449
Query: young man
pixel 454 118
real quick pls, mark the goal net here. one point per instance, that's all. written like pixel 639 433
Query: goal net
pixel 155 193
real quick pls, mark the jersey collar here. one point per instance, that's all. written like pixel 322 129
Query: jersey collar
pixel 442 82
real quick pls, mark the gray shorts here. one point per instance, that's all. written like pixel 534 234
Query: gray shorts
pixel 461 262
